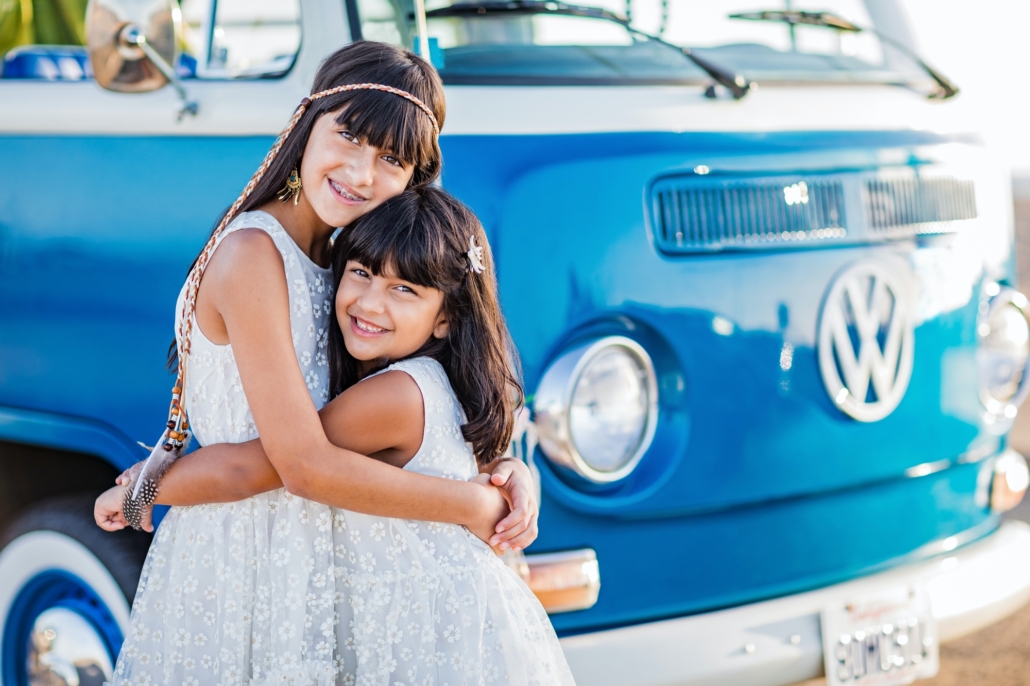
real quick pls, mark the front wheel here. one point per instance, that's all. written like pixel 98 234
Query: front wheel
pixel 65 592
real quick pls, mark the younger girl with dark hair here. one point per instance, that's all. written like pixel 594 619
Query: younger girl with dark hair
pixel 424 367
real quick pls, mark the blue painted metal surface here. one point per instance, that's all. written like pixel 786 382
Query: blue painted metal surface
pixel 755 486
pixel 87 296
pixel 74 434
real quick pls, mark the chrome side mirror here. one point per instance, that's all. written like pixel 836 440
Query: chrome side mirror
pixel 133 44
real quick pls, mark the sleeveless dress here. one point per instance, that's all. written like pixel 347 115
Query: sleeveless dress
pixel 431 604
pixel 242 593
pixel 276 589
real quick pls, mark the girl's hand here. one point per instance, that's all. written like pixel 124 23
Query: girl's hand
pixel 108 509
pixel 519 528
pixel 494 507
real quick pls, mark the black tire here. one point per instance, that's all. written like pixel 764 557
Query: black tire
pixel 122 552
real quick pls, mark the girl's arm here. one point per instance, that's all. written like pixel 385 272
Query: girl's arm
pixel 382 417
pixel 255 312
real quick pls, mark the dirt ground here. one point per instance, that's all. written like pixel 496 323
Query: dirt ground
pixel 1000 654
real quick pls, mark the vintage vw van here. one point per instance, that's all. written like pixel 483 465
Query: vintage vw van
pixel 762 284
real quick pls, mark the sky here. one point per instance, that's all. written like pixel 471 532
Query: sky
pixel 984 47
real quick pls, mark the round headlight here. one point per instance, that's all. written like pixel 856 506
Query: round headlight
pixel 1004 351
pixel 597 408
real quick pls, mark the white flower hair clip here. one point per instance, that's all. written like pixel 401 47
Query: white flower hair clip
pixel 475 255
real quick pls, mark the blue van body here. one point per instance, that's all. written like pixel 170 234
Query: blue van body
pixel 755 485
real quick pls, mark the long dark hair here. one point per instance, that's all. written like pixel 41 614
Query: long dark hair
pixel 384 120
pixel 422 236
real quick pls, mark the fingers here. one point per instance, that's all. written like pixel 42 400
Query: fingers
pixel 107 510
pixel 102 521
pixel 518 529
pixel 102 512
pixel 518 482
pixel 502 473
pixel 521 499
pixel 526 538
pixel 515 517
pixel 127 476
pixel 109 521
pixel 503 539
pixel 522 503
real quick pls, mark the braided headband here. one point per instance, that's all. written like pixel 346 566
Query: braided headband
pixel 376 87
pixel 174 437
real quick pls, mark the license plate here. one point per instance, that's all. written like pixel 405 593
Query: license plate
pixel 883 640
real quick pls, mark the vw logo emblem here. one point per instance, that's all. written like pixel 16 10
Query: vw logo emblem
pixel 866 341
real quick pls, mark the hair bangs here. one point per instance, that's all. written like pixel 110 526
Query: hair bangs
pixel 390 122
pixel 391 240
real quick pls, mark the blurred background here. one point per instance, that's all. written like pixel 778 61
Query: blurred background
pixel 49 22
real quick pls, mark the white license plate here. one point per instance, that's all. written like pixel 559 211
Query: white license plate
pixel 882 640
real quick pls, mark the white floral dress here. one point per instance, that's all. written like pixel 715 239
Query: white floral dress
pixel 244 592
pixel 430 604
pixel 276 589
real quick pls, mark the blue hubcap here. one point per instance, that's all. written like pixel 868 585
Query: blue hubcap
pixel 58 594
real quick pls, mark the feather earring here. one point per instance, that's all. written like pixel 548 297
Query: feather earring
pixel 292 188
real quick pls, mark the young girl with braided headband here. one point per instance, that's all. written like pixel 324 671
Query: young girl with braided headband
pixel 245 592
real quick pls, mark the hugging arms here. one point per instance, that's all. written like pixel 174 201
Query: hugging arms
pixel 321 456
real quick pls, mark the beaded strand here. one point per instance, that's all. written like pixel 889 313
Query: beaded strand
pixel 175 434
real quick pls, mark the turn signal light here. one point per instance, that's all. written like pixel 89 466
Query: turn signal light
pixel 1010 481
pixel 562 582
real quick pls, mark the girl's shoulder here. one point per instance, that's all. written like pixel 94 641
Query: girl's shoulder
pixel 247 232
pixel 432 388
pixel 255 219
pixel 291 253
pixel 427 372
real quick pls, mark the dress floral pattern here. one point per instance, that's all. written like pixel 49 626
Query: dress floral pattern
pixel 276 589
pixel 242 593
pixel 429 604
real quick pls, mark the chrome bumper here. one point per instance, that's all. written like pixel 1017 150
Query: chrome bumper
pixel 778 642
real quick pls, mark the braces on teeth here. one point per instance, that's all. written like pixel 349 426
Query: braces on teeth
pixel 339 189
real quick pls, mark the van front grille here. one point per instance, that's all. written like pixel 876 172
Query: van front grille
pixel 918 205
pixel 693 213
pixel 708 215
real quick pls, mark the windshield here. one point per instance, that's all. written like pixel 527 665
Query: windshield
pixel 537 46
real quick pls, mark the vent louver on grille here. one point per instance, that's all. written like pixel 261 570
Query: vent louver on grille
pixel 692 213
pixel 918 205
pixel 691 216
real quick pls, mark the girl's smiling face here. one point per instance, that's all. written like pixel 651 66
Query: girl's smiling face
pixel 385 318
pixel 344 177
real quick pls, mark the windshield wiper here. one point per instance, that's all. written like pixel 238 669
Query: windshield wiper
pixel 734 83
pixel 945 87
